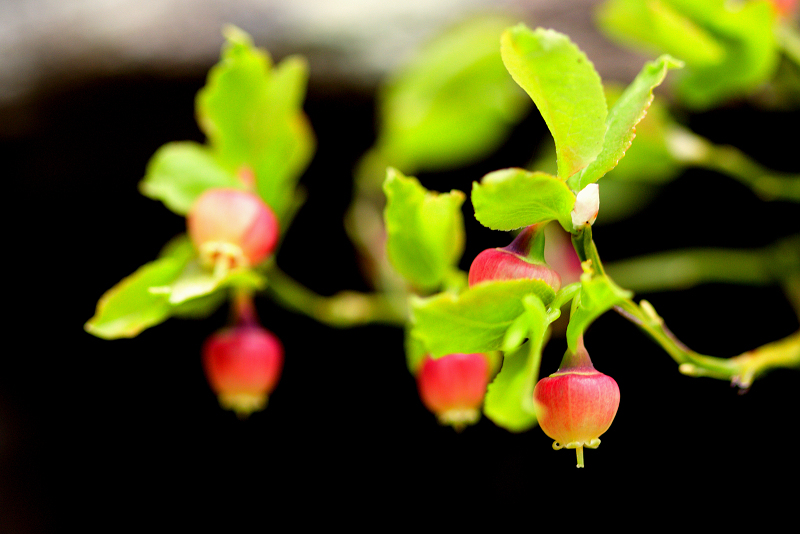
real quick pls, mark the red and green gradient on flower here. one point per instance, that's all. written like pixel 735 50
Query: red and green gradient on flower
pixel 576 404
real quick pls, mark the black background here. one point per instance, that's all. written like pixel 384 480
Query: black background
pixel 96 432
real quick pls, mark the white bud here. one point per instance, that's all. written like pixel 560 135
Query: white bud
pixel 587 203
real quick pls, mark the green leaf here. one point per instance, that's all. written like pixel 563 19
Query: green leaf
pixel 748 35
pixel 509 398
pixel 659 27
pixel 503 403
pixel 252 115
pixel 648 159
pixel 629 109
pixel 200 307
pixel 179 247
pixel 730 49
pixel 425 230
pixel 598 294
pixel 513 198
pixel 415 352
pixel 453 104
pixel 194 281
pixel 129 307
pixel 565 88
pixel 477 319
pixel 180 172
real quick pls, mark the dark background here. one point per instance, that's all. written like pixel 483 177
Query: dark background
pixel 97 433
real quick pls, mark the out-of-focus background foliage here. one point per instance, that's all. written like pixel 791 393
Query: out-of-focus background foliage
pixel 92 431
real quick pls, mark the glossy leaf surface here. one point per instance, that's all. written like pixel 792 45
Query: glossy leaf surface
pixel 513 198
pixel 509 398
pixel 628 110
pixel 566 89
pixel 477 319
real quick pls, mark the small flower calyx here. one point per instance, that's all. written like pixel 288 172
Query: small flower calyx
pixel 232 228
pixel 453 387
pixel 576 404
pixel 243 363
pixel 523 258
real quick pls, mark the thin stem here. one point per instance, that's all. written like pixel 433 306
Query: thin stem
pixel 681 269
pixel 579 452
pixel 692 149
pixel 344 309
pixel 243 308
pixel 740 370
pixel 587 250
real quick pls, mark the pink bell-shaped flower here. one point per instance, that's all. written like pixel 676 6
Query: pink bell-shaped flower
pixel 523 258
pixel 453 387
pixel 576 404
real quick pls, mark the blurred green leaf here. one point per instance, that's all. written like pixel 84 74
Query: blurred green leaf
pixel 415 352
pixel 629 109
pixel 659 27
pixel 425 230
pixel 509 398
pixel 252 115
pixel 453 104
pixel 179 247
pixel 729 48
pixel 200 307
pixel 194 281
pixel 180 172
pixel 513 198
pixel 477 319
pixel 129 307
pixel 598 294
pixel 565 88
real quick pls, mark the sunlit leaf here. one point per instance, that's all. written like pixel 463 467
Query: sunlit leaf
pixel 629 109
pixel 598 295
pixel 195 281
pixel 565 88
pixel 129 307
pixel 513 198
pixel 477 319
pixel 509 397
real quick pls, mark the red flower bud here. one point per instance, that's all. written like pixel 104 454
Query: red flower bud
pixel 234 225
pixel 576 404
pixel 523 258
pixel 243 365
pixel 453 387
